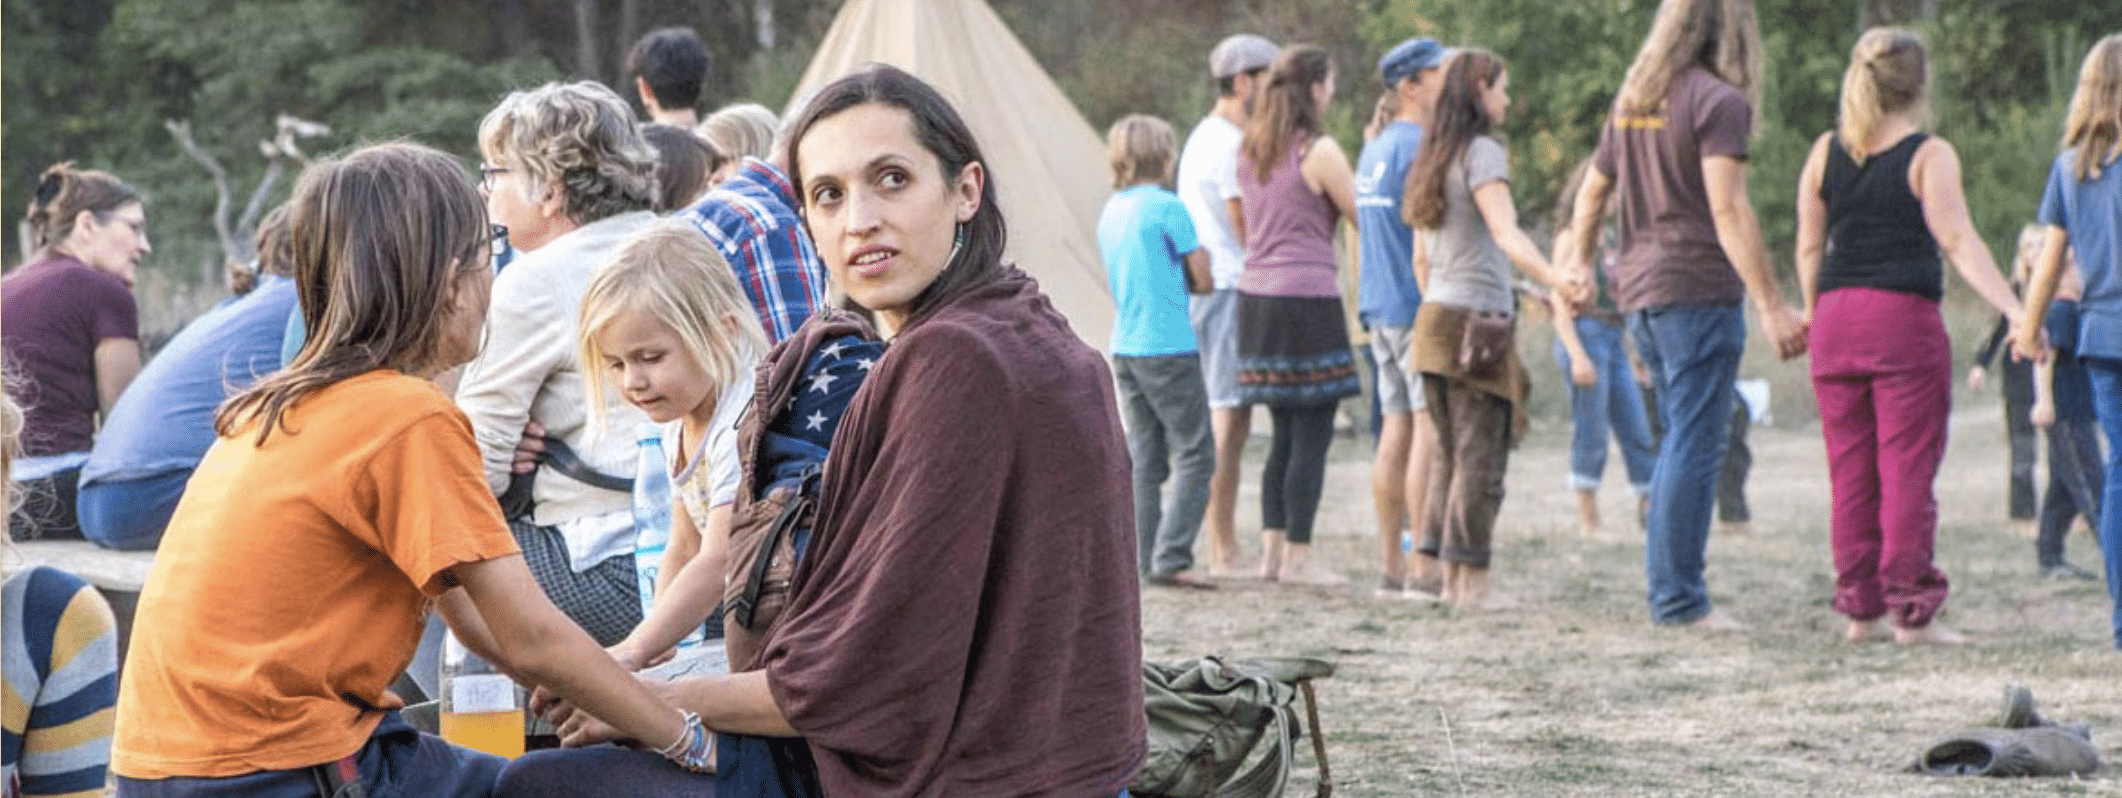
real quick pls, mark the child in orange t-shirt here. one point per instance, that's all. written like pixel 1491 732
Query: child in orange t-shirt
pixel 344 495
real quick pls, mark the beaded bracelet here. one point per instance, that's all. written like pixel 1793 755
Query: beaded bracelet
pixel 693 747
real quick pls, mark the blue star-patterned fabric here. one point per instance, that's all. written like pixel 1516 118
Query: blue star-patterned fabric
pixel 801 435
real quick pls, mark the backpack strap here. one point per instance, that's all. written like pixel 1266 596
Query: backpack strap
pixel 806 495
pixel 562 458
pixel 1268 777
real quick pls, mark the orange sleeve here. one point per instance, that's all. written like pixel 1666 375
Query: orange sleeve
pixel 433 509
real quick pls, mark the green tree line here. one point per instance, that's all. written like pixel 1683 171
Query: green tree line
pixel 95 80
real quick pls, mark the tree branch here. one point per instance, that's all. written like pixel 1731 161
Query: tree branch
pixel 182 132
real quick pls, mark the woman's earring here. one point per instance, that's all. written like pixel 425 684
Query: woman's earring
pixel 957 244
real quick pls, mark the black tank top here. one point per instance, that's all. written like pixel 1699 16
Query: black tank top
pixel 1876 236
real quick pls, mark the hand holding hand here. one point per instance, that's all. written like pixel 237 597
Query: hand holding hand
pixel 529 448
pixel 1785 327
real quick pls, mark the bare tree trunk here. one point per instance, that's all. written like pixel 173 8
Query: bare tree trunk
pixel 629 29
pixel 763 24
pixel 182 132
pixel 1896 12
pixel 587 62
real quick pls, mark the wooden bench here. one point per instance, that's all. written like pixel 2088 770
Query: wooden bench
pixel 118 575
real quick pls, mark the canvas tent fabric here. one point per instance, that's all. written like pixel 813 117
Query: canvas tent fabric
pixel 1049 164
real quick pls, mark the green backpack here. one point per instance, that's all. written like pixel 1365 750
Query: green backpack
pixel 1207 715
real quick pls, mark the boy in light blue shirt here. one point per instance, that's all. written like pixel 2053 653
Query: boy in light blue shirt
pixel 1154 260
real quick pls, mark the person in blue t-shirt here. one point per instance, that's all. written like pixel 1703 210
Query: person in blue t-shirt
pixel 1154 260
pixel 164 422
pixel 1413 72
pixel 2082 208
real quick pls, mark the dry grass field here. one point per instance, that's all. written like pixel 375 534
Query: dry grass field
pixel 1573 692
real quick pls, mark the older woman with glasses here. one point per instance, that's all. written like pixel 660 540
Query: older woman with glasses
pixel 567 179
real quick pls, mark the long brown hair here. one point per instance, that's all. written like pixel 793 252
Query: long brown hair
pixel 2094 126
pixel 1722 36
pixel 1287 114
pixel 1461 116
pixel 62 194
pixel 1889 72
pixel 379 239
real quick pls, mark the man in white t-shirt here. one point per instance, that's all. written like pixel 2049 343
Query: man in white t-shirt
pixel 1208 182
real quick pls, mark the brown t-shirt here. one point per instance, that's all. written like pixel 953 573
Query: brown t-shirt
pixel 1669 249
pixel 967 622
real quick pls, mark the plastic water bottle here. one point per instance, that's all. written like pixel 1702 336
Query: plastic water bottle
pixel 652 516
pixel 481 709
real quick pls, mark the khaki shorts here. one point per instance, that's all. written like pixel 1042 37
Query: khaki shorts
pixel 1399 384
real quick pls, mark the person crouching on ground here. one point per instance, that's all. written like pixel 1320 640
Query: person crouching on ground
pixel 343 498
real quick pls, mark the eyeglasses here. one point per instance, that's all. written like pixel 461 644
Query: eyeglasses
pixel 486 176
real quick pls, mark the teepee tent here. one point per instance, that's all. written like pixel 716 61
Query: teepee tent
pixel 1047 162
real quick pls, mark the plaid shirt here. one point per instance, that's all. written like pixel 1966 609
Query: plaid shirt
pixel 751 218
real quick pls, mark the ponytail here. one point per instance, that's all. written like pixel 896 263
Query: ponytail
pixel 1888 73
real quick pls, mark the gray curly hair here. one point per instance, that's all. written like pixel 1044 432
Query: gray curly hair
pixel 580 136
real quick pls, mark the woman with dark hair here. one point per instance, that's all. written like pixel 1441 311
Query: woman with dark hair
pixel 1459 191
pixel 263 670
pixel 1293 352
pixel 683 162
pixel 964 621
pixel 72 334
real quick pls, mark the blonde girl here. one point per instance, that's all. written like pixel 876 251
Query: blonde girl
pixel 1879 207
pixel 666 325
pixel 2082 208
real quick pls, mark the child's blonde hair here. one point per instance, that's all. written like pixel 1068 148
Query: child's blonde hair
pixel 1140 149
pixel 673 274
pixel 2022 261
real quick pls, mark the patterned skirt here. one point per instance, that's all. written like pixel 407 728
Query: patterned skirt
pixel 1294 352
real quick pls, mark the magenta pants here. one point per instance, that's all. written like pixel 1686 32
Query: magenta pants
pixel 1882 374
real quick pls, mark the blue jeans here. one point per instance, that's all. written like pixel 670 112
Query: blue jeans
pixel 1613 404
pixel 1693 355
pixel 396 761
pixel 130 514
pixel 2107 405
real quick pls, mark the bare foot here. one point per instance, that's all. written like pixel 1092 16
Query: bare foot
pixel 1304 573
pixel 1865 631
pixel 1236 568
pixel 2024 527
pixel 1718 621
pixel 1593 531
pixel 1931 635
pixel 1735 528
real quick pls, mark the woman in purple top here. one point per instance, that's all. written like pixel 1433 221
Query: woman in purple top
pixel 1293 353
pixel 72 333
pixel 1878 202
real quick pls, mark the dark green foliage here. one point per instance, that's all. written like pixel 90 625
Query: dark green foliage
pixel 93 80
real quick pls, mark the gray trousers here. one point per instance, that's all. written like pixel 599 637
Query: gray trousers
pixel 1165 405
